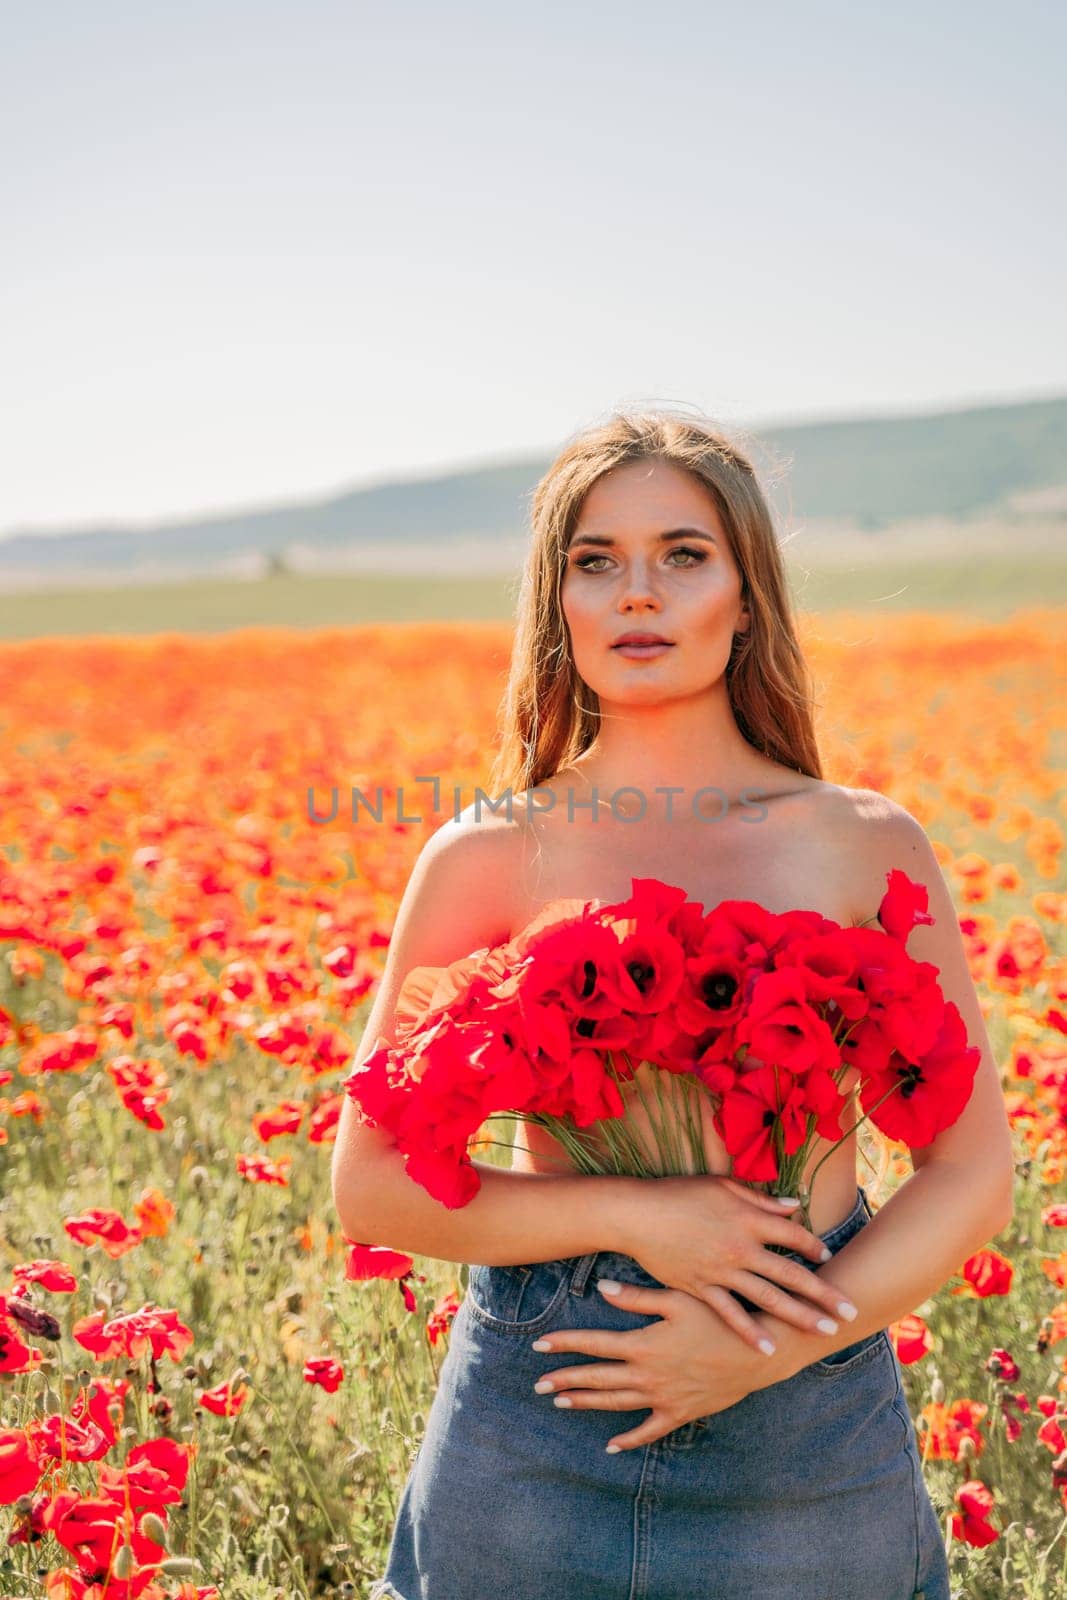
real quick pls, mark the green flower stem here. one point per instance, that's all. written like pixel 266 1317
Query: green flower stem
pixel 852 1130
pixel 280 1413
pixel 612 1145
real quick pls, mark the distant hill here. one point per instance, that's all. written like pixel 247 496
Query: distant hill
pixel 866 475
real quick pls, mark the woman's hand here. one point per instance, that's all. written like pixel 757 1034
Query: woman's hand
pixel 687 1365
pixel 706 1234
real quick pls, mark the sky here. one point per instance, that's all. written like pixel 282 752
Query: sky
pixel 265 252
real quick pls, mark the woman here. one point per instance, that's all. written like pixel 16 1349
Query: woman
pixel 775 1457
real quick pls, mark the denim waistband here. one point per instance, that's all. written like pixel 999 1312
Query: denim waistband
pixel 581 1267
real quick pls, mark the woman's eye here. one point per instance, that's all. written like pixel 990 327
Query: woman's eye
pixel 680 550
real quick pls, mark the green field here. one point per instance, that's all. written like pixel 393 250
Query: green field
pixel 992 586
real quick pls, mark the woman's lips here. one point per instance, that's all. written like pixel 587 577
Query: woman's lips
pixel 642 652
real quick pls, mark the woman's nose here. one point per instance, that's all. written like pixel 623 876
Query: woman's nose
pixel 639 585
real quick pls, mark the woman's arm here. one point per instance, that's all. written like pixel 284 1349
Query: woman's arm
pixel 515 1216
pixel 960 1195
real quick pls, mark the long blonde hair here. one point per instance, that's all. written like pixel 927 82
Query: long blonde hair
pixel 549 715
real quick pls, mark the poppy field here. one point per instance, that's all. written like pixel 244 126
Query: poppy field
pixel 205 1389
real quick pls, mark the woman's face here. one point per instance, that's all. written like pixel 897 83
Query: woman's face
pixel 686 587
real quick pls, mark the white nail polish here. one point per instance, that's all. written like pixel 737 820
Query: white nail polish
pixel 848 1312
pixel 767 1347
pixel 827 1253
pixel 824 1325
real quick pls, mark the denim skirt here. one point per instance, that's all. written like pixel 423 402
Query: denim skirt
pixel 810 1489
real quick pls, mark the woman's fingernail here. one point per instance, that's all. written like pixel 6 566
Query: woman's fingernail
pixel 825 1325
pixel 767 1347
pixel 788 1200
pixel 847 1311
pixel 608 1286
pixel 612 1449
pixel 827 1253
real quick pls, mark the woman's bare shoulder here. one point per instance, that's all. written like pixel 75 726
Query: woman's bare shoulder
pixel 872 818
pixel 473 858
pixel 833 810
pixel 869 834
pixel 477 839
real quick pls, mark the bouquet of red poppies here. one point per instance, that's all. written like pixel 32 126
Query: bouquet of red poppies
pixel 595 1012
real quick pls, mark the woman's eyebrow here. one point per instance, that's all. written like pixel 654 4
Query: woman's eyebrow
pixel 672 533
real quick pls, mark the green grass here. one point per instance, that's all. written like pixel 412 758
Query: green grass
pixel 992 586
pixel 988 585
pixel 217 605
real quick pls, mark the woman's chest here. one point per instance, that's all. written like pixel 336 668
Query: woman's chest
pixel 791 862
